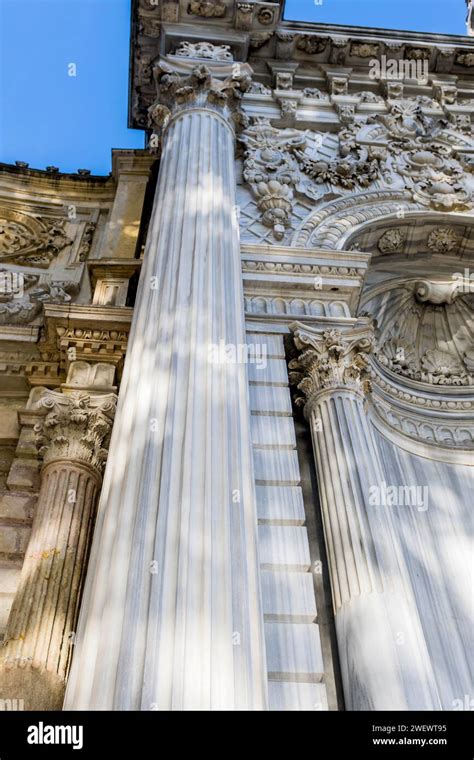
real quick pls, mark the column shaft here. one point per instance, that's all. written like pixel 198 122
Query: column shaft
pixel 40 632
pixel 171 617
pixel 383 655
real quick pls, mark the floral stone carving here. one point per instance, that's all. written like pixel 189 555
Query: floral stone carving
pixel 30 240
pixel 330 360
pixel 77 427
pixel 272 171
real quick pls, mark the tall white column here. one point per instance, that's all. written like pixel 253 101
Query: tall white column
pixel 383 655
pixel 171 617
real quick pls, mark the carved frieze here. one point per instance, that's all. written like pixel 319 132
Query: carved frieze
pixel 364 49
pixel 311 44
pixel 258 88
pixel 400 149
pixel 425 428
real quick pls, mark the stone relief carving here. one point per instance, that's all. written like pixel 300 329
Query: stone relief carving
pixel 311 45
pixel 266 16
pixel 364 49
pixel 259 39
pixel 314 92
pixel 86 242
pixel 278 266
pixel 21 304
pixel 354 166
pixel 295 306
pixel 403 149
pixel 329 360
pixel 244 15
pixel 465 59
pixel 30 240
pixel 207 8
pixel 366 96
pixel 392 241
pixel 443 240
pixel 259 88
pixel 437 293
pixel 204 50
pixel 272 171
pixel 77 426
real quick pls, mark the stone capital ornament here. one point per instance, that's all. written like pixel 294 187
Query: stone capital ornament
pixel 76 428
pixel 197 89
pixel 330 360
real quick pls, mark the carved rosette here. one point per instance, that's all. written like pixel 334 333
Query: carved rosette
pixel 77 428
pixel 330 360
pixel 200 89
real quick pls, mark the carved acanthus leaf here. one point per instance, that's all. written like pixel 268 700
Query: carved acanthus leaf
pixel 176 93
pixel 76 427
pixel 330 360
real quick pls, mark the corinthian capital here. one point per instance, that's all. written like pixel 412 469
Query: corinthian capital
pixel 197 87
pixel 76 427
pixel 330 360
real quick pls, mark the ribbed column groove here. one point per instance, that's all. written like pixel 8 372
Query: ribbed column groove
pixel 41 627
pixel 171 616
pixel 383 654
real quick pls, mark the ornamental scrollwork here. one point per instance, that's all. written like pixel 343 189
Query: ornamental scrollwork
pixel 402 150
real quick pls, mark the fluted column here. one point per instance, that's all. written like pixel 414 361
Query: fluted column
pixel 171 617
pixel 383 654
pixel 72 435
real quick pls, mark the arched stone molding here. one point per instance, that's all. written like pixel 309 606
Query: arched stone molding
pixel 422 367
pixel 332 224
pixel 340 222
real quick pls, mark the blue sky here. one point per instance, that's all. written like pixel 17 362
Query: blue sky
pixel 442 16
pixel 50 117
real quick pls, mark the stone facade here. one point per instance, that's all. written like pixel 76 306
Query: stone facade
pixel 244 484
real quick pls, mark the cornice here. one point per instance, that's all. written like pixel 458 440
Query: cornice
pixel 378 33
pixel 256 31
